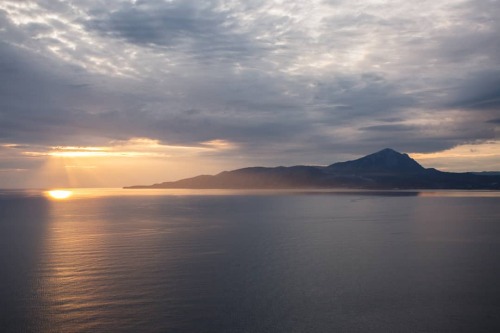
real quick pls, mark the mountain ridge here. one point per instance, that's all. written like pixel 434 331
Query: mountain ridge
pixel 385 169
pixel 385 160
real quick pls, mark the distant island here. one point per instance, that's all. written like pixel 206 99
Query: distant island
pixel 386 169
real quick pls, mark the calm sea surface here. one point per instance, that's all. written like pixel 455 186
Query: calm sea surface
pixel 222 261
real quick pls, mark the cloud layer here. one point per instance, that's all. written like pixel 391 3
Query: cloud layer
pixel 286 82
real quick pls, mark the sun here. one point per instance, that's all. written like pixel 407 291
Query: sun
pixel 59 194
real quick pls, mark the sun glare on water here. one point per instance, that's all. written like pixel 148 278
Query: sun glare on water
pixel 59 194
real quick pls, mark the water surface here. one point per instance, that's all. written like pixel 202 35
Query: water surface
pixel 250 261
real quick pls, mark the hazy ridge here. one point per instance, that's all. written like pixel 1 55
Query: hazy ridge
pixel 385 169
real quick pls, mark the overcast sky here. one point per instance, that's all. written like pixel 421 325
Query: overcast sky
pixel 167 89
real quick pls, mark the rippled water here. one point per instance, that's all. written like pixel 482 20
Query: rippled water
pixel 222 261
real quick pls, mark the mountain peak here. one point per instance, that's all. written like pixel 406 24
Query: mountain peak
pixel 385 160
pixel 388 151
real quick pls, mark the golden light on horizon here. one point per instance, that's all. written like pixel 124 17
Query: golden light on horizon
pixel 122 163
pixel 483 156
pixel 60 194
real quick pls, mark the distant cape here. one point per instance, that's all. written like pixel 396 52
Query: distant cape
pixel 385 169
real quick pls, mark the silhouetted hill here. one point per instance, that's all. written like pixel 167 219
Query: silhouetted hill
pixel 386 169
pixel 384 161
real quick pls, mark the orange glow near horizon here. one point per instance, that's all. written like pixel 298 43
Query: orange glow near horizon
pixel 468 157
pixel 143 161
pixel 122 163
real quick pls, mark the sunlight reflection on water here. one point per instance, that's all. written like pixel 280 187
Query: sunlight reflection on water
pixel 59 194
pixel 78 193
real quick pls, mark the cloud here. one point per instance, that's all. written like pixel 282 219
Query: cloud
pixel 494 121
pixel 285 82
pixel 389 128
pixel 157 23
pixel 478 91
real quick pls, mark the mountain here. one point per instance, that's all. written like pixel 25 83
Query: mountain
pixel 386 169
pixel 385 161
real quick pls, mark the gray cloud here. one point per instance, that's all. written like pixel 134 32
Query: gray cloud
pixel 478 91
pixel 201 31
pixel 355 97
pixel 160 24
pixel 287 82
pixel 388 128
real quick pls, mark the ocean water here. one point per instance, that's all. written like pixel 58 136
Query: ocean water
pixel 250 261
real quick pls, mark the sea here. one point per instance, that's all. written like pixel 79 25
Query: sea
pixel 114 260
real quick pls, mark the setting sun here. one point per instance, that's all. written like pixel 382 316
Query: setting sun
pixel 60 194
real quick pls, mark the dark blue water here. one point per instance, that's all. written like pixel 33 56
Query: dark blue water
pixel 122 261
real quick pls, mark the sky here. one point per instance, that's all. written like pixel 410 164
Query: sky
pixel 116 93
